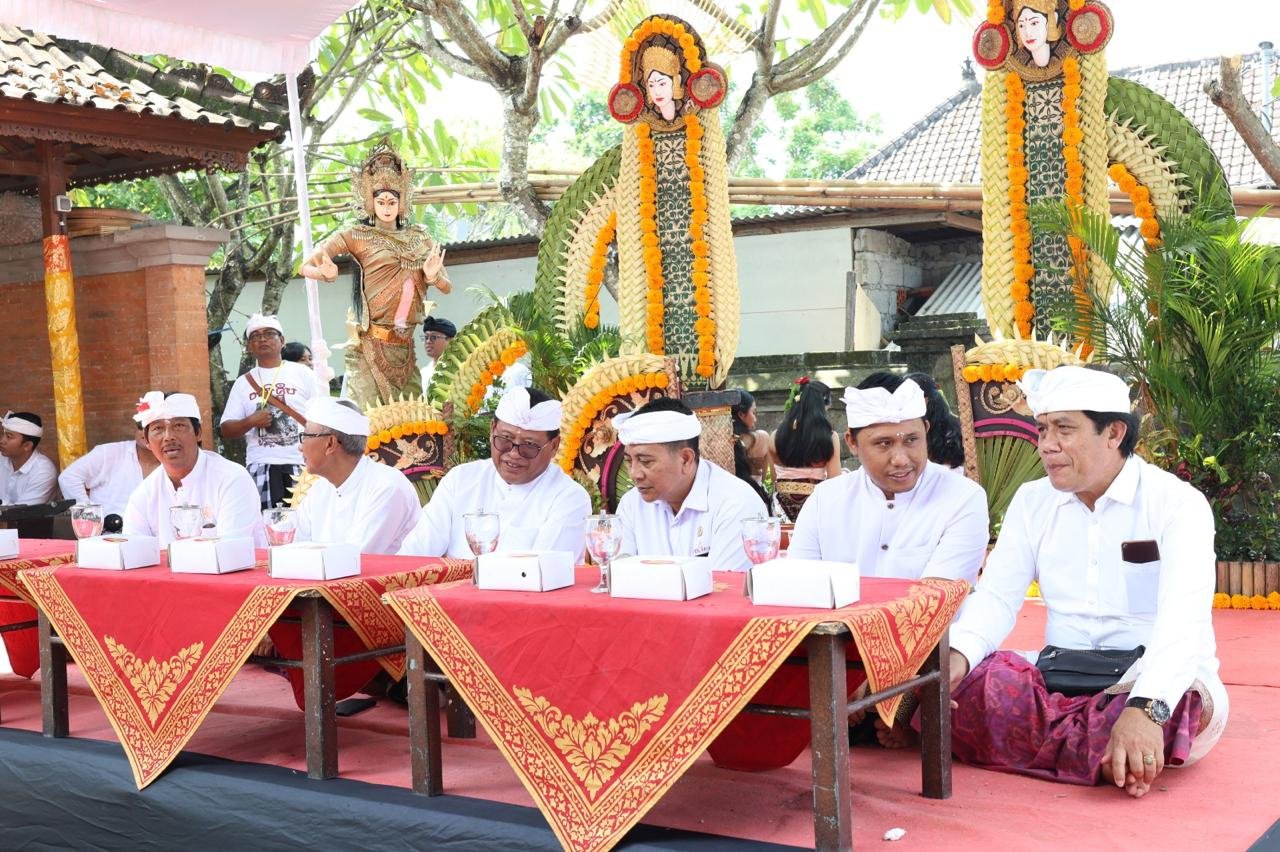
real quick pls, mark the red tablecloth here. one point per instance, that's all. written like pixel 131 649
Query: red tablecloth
pixel 23 646
pixel 158 649
pixel 600 705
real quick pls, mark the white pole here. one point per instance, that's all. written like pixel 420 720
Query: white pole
pixel 319 349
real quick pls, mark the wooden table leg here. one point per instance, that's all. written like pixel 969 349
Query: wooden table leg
pixel 424 721
pixel 53 681
pixel 829 723
pixel 459 720
pixel 935 724
pixel 317 687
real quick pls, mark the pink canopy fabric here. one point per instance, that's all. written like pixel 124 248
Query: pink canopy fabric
pixel 270 37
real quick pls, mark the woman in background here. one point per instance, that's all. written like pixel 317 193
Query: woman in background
pixel 805 448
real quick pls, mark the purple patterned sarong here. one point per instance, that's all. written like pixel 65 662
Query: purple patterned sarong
pixel 1007 721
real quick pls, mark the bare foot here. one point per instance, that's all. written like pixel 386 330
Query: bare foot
pixel 1137 788
pixel 899 736
pixel 858 694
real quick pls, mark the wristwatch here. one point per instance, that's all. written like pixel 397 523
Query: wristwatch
pixel 1156 710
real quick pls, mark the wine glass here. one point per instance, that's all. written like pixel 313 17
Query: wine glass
pixel 604 537
pixel 86 520
pixel 281 525
pixel 187 521
pixel 482 531
pixel 761 538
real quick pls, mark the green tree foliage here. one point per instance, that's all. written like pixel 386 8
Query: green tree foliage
pixel 826 138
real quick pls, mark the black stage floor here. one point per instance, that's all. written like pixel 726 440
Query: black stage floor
pixel 79 794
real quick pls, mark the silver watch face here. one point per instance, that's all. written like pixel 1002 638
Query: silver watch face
pixel 1158 711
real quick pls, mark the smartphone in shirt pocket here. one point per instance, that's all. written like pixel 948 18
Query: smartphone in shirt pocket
pixel 1141 566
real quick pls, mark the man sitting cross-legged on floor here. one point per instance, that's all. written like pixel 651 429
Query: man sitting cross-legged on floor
pixel 1123 552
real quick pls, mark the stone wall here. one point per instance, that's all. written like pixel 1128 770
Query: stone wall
pixel 884 265
pixel 140 313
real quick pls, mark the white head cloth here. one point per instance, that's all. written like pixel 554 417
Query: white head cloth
pixel 22 426
pixel 514 409
pixel 1071 388
pixel 877 405
pixel 153 406
pixel 328 411
pixel 656 427
pixel 258 321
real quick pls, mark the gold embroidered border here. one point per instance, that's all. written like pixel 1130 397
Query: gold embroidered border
pixel 151 749
pixel 580 822
pixel 358 601
pixel 9 569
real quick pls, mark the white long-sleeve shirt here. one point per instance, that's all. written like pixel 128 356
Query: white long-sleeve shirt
pixel 937 529
pixel 106 475
pixel 222 488
pixel 1094 598
pixel 549 513
pixel 35 482
pixel 709 522
pixel 375 509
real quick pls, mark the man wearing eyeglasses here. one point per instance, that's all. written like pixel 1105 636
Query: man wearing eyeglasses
pixel 264 406
pixel 436 334
pixel 356 500
pixel 539 506
pixel 188 476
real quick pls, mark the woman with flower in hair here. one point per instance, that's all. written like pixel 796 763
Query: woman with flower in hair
pixel 395 264
pixel 805 448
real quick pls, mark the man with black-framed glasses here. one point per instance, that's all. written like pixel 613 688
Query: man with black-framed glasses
pixel 540 507
pixel 437 332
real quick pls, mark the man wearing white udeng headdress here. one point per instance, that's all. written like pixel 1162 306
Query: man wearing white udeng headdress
pixel 682 504
pixel 355 500
pixel 899 514
pixel 539 506
pixel 26 474
pixel 264 406
pixel 1123 552
pixel 188 476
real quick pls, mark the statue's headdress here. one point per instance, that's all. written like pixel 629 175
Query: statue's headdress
pixel 667 44
pixel 383 170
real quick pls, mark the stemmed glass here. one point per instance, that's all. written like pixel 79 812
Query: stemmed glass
pixel 86 520
pixel 281 525
pixel 604 537
pixel 482 531
pixel 187 521
pixel 761 538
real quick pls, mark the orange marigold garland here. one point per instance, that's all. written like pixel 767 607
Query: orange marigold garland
pixel 704 326
pixel 406 430
pixel 1020 225
pixel 595 272
pixel 993 372
pixel 995 12
pixel 1149 226
pixel 495 369
pixel 623 387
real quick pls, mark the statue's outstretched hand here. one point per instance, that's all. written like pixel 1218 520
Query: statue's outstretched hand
pixel 433 270
pixel 323 269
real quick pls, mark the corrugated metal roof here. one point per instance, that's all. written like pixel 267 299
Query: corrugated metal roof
pixel 959 293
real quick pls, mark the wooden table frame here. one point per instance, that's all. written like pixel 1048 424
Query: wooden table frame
pixel 318 663
pixel 828 714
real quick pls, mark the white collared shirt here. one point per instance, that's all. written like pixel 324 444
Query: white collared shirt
pixel 35 482
pixel 224 489
pixel 709 522
pixel 106 475
pixel 937 529
pixel 1095 599
pixel 549 513
pixel 375 508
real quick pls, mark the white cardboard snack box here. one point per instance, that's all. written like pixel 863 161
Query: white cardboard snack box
pixel 804 582
pixel 524 571
pixel 8 543
pixel 306 560
pixel 211 555
pixel 661 578
pixel 118 552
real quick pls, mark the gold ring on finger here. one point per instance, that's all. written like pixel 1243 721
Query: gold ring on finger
pixel 1148 759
